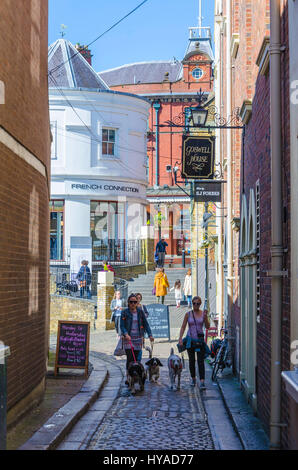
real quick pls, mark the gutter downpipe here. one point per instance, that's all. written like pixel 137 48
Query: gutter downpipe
pixel 277 222
pixel 229 171
pixel 156 106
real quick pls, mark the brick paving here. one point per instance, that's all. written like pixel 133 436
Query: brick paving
pixel 158 418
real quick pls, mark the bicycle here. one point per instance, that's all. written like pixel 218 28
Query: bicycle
pixel 223 357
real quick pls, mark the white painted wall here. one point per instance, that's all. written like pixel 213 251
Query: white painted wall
pixel 79 171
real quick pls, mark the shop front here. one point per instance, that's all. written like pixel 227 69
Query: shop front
pixel 98 220
pixel 170 217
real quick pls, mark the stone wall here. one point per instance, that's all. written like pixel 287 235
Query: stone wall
pixel 70 309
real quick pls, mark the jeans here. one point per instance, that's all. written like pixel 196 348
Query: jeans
pixel 161 259
pixel 189 299
pixel 83 291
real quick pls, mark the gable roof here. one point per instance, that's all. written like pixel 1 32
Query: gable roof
pixel 69 69
pixel 142 72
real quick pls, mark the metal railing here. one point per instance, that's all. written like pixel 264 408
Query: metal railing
pixel 118 251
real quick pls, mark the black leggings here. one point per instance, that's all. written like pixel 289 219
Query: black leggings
pixel 192 362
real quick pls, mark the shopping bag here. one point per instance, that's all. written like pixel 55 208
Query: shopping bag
pixel 119 351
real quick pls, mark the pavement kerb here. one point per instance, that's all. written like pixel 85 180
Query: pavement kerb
pixel 237 427
pixel 51 434
pixel 231 416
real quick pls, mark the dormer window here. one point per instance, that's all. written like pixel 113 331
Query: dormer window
pixel 197 73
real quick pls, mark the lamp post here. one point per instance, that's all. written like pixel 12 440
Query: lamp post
pixel 4 353
pixel 206 305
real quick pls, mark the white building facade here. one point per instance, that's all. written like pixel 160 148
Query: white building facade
pixel 98 164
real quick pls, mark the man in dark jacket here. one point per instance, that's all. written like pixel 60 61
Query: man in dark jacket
pixel 160 250
pixel 84 277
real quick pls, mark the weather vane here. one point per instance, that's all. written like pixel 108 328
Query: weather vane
pixel 63 28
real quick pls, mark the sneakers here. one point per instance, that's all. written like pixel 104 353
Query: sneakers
pixel 202 386
pixel 193 382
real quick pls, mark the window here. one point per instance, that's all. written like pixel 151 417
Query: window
pixel 56 229
pixel 54 141
pixel 107 227
pixel 197 73
pixel 109 142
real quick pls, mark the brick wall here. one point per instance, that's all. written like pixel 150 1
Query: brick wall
pixel 257 166
pixel 24 212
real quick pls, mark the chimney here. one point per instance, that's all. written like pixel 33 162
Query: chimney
pixel 86 53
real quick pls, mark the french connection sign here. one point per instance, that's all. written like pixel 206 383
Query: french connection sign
pixel 104 188
pixel 198 157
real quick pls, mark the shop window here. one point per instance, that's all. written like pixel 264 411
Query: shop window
pixel 108 142
pixel 56 229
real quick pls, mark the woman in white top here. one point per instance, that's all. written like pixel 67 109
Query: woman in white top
pixel 187 287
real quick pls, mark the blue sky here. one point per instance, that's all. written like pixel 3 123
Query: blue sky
pixel 158 30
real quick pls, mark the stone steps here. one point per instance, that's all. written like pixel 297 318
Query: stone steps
pixel 144 285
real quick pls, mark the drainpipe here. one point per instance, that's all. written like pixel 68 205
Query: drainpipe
pixel 156 106
pixel 277 222
pixel 229 169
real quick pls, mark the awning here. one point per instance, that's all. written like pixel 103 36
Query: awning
pixel 171 200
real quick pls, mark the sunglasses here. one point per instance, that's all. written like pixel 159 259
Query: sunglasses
pixel 196 303
pixel 133 301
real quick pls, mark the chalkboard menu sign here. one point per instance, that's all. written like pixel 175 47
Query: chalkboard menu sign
pixel 158 320
pixel 72 350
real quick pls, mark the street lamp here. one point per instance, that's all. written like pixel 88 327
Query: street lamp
pixel 198 116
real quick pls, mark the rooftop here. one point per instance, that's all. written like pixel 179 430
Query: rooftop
pixel 69 69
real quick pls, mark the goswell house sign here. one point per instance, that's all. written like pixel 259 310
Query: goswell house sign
pixel 198 157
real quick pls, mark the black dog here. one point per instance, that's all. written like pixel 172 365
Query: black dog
pixel 153 366
pixel 136 375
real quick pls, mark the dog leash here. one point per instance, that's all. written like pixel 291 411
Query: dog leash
pixel 132 350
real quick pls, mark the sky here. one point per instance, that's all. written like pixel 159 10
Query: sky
pixel 158 30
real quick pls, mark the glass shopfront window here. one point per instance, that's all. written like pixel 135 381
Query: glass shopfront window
pixel 56 229
pixel 108 231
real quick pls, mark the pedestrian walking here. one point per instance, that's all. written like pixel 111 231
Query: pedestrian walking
pixel 161 284
pixel 84 277
pixel 187 287
pixel 178 292
pixel 195 343
pixel 139 304
pixel 160 250
pixel 117 306
pixel 134 325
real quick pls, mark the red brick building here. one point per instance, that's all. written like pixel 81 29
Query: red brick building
pixel 263 340
pixel 24 192
pixel 171 87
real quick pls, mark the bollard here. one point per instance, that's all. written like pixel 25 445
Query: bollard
pixel 4 353
pixel 183 258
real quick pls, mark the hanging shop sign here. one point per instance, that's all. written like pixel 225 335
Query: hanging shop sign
pixel 198 157
pixel 209 192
